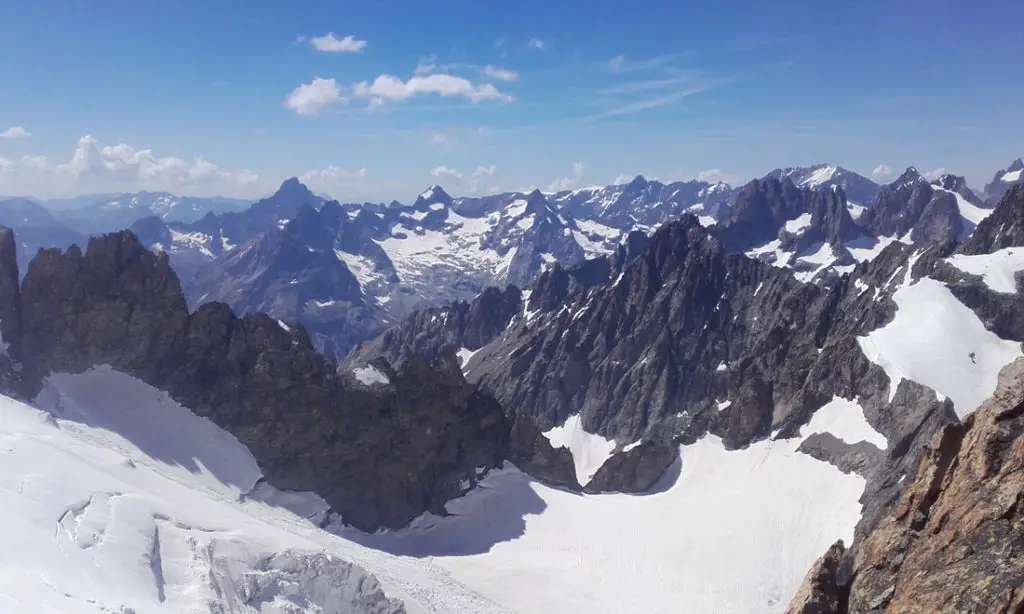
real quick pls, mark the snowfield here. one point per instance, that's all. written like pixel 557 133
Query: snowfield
pixel 997 270
pixel 918 345
pixel 730 532
pixel 119 500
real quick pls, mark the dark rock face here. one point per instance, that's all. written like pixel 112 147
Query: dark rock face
pixel 635 470
pixel 762 207
pixel 940 221
pixel 1003 228
pixel 898 205
pixel 532 452
pixel 429 331
pixel 380 454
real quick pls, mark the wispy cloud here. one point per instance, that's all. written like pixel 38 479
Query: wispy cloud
pixel 649 103
pixel 568 183
pixel 442 172
pixel 332 44
pixel 622 64
pixel 503 74
pixel 934 174
pixel 645 85
pixel 536 43
pixel 881 173
pixel 715 175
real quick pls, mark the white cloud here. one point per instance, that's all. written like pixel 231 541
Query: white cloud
pixel 15 132
pixel 389 88
pixel 332 44
pixel 714 175
pixel 497 72
pixel 935 174
pixel 881 173
pixel 471 184
pixel 313 97
pixel 536 43
pixel 622 179
pixel 333 180
pixel 617 62
pixel 568 183
pixel 97 168
pixel 443 171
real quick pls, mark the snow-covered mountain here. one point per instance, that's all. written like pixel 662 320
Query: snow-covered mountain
pixel 687 342
pixel 440 248
pixel 109 213
pixel 859 189
pixel 795 415
pixel 642 204
pixel 1002 181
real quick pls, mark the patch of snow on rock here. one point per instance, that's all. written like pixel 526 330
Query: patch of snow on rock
pixel 370 375
pixel 844 419
pixel 589 451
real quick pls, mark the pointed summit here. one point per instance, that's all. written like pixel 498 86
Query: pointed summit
pixel 293 189
pixel 909 176
pixel 435 194
pixel 1016 165
pixel 638 183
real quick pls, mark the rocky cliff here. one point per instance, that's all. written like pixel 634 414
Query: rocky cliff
pixel 380 448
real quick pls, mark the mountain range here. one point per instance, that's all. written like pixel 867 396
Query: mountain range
pixel 600 400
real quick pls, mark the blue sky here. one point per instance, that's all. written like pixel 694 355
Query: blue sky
pixel 213 96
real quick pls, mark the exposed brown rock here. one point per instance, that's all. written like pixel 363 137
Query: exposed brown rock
pixel 955 540
pixel 820 592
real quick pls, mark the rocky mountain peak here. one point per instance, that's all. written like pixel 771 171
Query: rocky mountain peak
pixel 637 183
pixel 435 194
pixel 1016 165
pixel 537 203
pixel 909 177
pixel 294 190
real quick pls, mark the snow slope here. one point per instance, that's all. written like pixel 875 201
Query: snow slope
pixel 997 270
pixel 917 345
pixel 122 501
pixel 728 532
